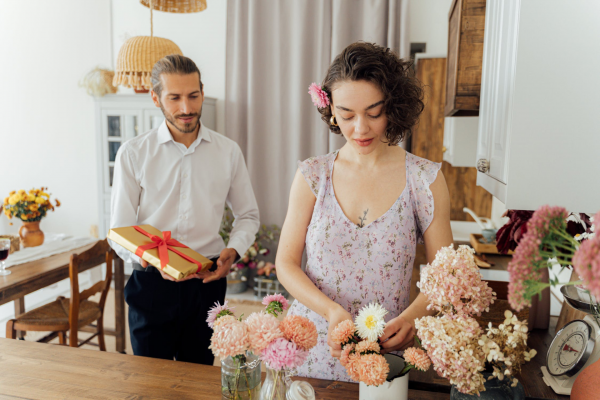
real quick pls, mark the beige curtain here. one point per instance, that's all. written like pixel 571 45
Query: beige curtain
pixel 275 50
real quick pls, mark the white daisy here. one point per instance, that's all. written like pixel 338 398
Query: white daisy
pixel 370 322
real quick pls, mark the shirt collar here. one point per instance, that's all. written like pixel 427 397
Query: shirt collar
pixel 164 135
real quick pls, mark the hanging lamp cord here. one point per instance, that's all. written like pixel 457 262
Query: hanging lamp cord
pixel 151 22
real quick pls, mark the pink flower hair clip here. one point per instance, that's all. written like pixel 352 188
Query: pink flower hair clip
pixel 318 95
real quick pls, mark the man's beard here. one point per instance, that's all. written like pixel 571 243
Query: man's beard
pixel 183 128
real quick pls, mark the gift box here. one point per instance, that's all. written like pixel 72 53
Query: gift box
pixel 160 250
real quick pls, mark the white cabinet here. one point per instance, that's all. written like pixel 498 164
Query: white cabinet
pixel 538 117
pixel 460 141
pixel 118 119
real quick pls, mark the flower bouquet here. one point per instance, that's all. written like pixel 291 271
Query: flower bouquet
pixel 282 345
pixel 556 237
pixel 458 347
pixel 380 376
pixel 238 275
pixel 30 208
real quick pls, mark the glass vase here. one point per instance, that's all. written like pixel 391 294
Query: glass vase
pixel 275 385
pixel 240 377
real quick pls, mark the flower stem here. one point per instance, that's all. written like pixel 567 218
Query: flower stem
pixel 275 384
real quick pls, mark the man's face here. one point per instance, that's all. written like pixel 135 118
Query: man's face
pixel 181 101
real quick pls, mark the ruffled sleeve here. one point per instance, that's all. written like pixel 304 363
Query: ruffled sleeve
pixel 315 172
pixel 421 174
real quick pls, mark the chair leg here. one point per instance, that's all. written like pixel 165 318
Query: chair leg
pixel 100 326
pixel 11 332
pixel 62 338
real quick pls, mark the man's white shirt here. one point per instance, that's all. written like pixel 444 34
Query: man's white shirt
pixel 160 182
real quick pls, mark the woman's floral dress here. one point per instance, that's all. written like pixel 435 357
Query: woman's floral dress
pixel 355 266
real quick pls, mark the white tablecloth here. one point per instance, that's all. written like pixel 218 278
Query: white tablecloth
pixel 54 243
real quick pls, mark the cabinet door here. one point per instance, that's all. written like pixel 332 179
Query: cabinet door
pixel 497 85
pixel 152 119
pixel 117 127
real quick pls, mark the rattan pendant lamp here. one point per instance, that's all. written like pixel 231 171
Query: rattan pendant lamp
pixel 138 55
pixel 176 6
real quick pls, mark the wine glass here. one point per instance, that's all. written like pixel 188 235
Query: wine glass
pixel 4 250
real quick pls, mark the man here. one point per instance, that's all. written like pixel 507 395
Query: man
pixel 178 177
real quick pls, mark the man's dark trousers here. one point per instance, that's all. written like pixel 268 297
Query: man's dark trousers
pixel 168 319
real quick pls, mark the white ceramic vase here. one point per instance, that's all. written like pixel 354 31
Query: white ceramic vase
pixel 397 389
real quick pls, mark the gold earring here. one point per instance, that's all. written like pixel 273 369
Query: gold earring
pixel 332 121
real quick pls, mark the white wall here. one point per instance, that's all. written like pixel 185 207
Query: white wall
pixel 48 129
pixel 428 22
pixel 200 36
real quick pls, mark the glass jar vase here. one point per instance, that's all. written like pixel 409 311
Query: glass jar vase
pixel 240 377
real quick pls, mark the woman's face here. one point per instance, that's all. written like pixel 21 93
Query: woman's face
pixel 358 110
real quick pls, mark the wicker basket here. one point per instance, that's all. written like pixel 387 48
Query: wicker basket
pixel 137 57
pixel 176 6
pixel 15 243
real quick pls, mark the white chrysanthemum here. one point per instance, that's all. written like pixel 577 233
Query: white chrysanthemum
pixel 370 322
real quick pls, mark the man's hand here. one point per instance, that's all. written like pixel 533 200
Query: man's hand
pixel 226 259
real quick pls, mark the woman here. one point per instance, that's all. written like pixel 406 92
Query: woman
pixel 361 210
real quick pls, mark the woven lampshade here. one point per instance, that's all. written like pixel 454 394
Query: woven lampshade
pixel 137 57
pixel 176 6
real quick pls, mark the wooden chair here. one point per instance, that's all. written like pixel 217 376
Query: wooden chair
pixel 76 313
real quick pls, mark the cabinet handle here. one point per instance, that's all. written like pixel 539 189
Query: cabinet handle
pixel 444 149
pixel 483 165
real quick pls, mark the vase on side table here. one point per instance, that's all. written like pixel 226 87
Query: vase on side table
pixel 30 234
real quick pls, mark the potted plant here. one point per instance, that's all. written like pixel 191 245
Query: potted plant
pixel 30 207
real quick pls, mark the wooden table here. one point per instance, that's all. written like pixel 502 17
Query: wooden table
pixel 29 277
pixel 43 371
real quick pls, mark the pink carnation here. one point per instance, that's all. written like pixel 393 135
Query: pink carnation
pixel 418 358
pixel 299 330
pixel 262 329
pixel 342 333
pixel 281 353
pixel 230 339
pixel 366 345
pixel 318 95
pixel 373 369
pixel 277 298
pixel 218 311
pixel 344 358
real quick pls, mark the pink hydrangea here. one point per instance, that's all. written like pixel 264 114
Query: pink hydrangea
pixel 452 345
pixel 262 329
pixel 281 353
pixel 218 311
pixel 230 339
pixel 453 279
pixel 318 96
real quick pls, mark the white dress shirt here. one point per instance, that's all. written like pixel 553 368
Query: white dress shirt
pixel 160 182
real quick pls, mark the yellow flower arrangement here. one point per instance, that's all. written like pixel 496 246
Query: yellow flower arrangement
pixel 28 207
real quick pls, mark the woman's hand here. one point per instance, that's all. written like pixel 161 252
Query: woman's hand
pixel 398 334
pixel 337 315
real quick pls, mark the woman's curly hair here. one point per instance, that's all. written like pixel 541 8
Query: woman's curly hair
pixel 402 92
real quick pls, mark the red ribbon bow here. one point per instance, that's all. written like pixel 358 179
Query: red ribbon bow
pixel 164 244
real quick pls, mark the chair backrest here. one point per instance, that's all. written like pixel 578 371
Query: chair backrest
pixel 98 254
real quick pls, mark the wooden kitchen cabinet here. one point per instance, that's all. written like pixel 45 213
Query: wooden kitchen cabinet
pixel 465 52
pixel 539 136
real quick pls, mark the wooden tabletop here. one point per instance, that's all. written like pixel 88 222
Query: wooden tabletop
pixel 34 275
pixel 44 371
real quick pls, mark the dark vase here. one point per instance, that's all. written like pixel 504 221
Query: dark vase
pixel 494 390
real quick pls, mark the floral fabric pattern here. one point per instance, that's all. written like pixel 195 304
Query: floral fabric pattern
pixel 354 266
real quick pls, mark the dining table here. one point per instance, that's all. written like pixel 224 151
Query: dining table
pixel 45 371
pixel 34 275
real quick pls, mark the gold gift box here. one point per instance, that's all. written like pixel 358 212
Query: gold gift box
pixel 177 267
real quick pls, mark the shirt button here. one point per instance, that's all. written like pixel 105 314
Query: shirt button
pixel 186 217
pixel 185 175
pixel 183 197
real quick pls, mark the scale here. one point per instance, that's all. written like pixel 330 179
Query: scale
pixel 574 347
